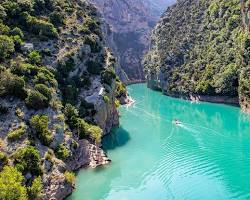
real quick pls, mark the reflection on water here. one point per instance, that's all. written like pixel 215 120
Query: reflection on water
pixel 114 140
pixel 206 157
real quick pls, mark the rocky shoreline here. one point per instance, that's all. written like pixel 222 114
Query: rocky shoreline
pixel 87 155
pixel 207 98
pixel 131 82
pixel 198 97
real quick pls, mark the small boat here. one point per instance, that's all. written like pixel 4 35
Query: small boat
pixel 176 121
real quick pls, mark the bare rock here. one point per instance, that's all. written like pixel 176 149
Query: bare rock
pixel 27 47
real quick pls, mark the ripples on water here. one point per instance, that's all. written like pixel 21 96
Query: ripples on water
pixel 206 157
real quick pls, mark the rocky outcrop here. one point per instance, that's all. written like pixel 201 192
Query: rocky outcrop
pixel 131 22
pixel 55 184
pixel 106 115
pixel 87 155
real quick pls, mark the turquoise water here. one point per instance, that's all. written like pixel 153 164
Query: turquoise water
pixel 205 158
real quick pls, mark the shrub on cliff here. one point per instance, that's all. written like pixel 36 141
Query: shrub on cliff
pixel 36 100
pixel 35 189
pixel 46 77
pixel 7 46
pixel 70 112
pixel 4 30
pixel 94 67
pixel 34 57
pixel 95 47
pixel 21 69
pixel 39 125
pixel 11 184
pixel 82 128
pixel 44 90
pixel 17 42
pixel 94 132
pixel 92 24
pixel 17 31
pixel 108 76
pixel 86 130
pixel 64 67
pixel 39 26
pixel 2 13
pixel 16 134
pixel 11 84
pixel 62 152
pixel 70 177
pixel 57 18
pixel 120 89
pixel 27 160
pixel 72 116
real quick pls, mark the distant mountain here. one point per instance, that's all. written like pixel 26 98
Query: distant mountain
pixel 160 5
pixel 131 22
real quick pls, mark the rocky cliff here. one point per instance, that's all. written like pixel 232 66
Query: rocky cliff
pixel 131 22
pixel 58 95
pixel 201 48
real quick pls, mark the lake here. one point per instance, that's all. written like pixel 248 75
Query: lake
pixel 207 157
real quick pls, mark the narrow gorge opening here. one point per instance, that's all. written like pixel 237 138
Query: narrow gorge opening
pixel 131 23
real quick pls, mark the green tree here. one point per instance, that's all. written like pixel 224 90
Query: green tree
pixel 35 190
pixel 34 57
pixel 70 177
pixel 62 152
pixel 7 46
pixel 4 30
pixel 108 76
pixel 11 185
pixel 94 67
pixel 27 160
pixel 11 84
pixel 39 125
pixel 36 100
pixel 44 90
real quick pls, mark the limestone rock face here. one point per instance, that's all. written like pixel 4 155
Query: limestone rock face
pixel 55 183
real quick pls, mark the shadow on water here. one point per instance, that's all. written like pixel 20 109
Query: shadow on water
pixel 117 138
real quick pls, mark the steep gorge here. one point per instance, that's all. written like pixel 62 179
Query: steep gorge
pixel 200 50
pixel 131 22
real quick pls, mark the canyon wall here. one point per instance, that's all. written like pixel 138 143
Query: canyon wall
pixel 202 48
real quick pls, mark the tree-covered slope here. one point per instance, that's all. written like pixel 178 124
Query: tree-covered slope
pixel 58 95
pixel 202 48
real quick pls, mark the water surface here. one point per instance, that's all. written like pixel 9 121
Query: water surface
pixel 205 158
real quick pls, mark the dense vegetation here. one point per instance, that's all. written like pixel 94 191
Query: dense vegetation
pixel 203 48
pixel 51 52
